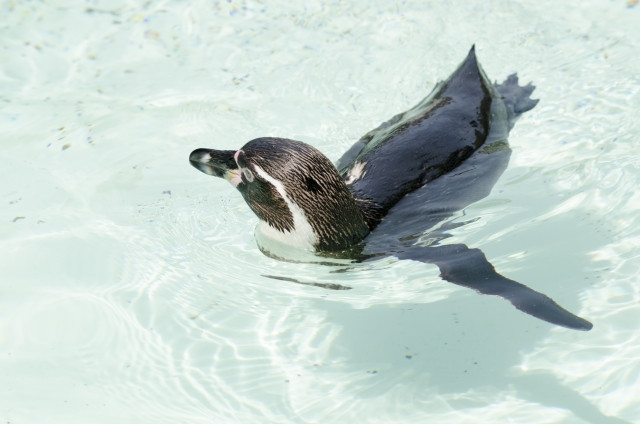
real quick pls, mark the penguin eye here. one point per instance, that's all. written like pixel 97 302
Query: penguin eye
pixel 312 185
pixel 247 174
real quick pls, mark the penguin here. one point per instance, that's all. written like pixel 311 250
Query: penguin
pixel 388 194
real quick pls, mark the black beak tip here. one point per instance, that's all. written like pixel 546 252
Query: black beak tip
pixel 201 160
pixel 199 156
pixel 213 162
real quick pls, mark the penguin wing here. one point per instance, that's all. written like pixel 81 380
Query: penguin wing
pixel 470 268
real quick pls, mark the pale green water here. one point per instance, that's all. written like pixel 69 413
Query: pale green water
pixel 132 288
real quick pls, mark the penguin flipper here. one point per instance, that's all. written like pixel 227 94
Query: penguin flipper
pixel 470 268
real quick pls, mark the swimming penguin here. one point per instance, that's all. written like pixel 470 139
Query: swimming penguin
pixel 387 193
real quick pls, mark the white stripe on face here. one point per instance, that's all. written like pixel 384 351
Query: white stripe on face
pixel 302 235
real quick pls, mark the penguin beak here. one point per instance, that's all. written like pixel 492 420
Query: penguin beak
pixel 219 163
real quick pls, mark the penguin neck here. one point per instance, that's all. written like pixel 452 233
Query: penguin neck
pixel 339 223
pixel 327 220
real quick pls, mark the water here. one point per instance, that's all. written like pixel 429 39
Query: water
pixel 132 287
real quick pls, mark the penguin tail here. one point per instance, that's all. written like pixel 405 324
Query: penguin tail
pixel 516 98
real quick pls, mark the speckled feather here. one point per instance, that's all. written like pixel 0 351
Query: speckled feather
pixel 312 182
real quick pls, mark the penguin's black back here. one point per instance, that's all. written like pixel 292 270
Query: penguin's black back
pixel 421 144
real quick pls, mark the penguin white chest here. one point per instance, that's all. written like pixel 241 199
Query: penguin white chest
pixel 302 236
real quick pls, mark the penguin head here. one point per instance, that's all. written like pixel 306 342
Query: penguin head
pixel 296 192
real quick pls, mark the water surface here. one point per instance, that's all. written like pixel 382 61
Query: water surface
pixel 132 287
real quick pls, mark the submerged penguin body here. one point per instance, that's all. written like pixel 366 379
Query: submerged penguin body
pixel 393 184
